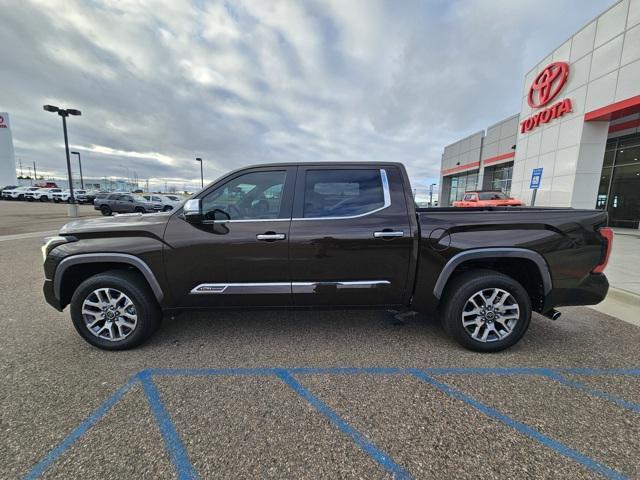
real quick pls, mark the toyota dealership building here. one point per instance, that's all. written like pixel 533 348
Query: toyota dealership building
pixel 579 122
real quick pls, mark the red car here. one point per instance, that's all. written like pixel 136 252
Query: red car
pixel 483 198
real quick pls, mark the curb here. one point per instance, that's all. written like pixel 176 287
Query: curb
pixel 625 296
pixel 621 304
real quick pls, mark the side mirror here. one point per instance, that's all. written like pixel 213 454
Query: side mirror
pixel 192 210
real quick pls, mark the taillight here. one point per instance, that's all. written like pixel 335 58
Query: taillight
pixel 607 234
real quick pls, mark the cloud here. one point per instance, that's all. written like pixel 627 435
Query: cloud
pixel 161 82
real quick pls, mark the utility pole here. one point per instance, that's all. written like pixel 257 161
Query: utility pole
pixel 201 174
pixel 20 160
pixel 35 172
pixel 64 113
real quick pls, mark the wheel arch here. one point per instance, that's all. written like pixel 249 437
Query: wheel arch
pixel 73 270
pixel 528 267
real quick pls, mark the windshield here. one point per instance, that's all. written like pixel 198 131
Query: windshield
pixel 139 198
pixel 492 196
pixel 172 197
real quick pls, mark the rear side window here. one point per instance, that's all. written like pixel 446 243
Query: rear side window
pixel 343 193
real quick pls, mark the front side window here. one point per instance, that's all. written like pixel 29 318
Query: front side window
pixel 342 193
pixel 252 196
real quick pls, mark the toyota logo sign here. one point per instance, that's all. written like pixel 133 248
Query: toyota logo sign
pixel 547 84
pixel 544 88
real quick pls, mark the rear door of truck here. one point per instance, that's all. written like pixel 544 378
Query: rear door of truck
pixel 350 237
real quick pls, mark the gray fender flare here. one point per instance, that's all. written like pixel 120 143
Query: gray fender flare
pixel 480 253
pixel 84 258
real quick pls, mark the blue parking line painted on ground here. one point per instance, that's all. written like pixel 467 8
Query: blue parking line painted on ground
pixel 602 371
pixel 365 445
pixel 185 469
pixel 172 442
pixel 558 377
pixel 40 467
pixel 531 432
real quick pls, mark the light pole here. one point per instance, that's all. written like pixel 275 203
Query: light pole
pixel 431 194
pixel 64 113
pixel 198 159
pixel 80 163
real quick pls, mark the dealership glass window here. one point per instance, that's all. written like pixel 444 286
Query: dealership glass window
pixel 500 178
pixel 462 183
pixel 619 189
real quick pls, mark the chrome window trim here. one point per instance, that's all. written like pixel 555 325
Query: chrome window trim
pixel 255 220
pixel 387 202
pixel 279 287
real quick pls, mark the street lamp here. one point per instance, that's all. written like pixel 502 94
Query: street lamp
pixel 431 194
pixel 64 113
pixel 198 159
pixel 80 163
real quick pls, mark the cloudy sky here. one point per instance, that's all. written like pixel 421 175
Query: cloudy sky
pixel 241 82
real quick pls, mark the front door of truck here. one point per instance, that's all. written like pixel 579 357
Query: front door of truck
pixel 350 239
pixel 238 255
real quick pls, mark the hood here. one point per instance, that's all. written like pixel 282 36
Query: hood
pixel 129 222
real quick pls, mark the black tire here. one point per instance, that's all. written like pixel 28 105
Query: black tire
pixel 167 208
pixel 463 288
pixel 44 199
pixel 135 287
pixel 139 210
pixel 105 210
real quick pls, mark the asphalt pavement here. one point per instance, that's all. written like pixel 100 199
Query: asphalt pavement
pixel 331 394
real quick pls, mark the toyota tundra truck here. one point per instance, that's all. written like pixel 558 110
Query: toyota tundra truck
pixel 326 235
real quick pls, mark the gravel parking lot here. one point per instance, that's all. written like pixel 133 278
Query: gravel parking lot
pixel 277 394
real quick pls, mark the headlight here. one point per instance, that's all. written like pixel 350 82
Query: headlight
pixel 52 242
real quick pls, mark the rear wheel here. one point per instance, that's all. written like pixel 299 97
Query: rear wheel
pixel 105 210
pixel 115 310
pixel 167 208
pixel 486 311
pixel 44 199
pixel 139 210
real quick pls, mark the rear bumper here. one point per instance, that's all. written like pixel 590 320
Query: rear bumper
pixel 590 291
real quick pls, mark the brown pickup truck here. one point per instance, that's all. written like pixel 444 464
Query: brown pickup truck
pixel 326 235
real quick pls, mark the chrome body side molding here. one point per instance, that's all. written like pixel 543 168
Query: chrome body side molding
pixel 506 252
pixel 280 287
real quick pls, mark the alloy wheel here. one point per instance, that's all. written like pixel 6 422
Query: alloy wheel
pixel 490 315
pixel 109 314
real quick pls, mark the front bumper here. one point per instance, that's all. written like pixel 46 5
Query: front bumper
pixel 590 291
pixel 49 294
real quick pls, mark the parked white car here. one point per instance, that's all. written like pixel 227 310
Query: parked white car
pixel 17 193
pixel 41 194
pixel 169 202
pixel 63 195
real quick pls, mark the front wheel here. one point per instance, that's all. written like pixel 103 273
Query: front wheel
pixel 115 310
pixel 167 208
pixel 105 210
pixel 486 311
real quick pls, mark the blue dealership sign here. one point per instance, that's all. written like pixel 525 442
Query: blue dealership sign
pixel 536 176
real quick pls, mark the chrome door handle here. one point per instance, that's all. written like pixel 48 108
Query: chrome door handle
pixel 388 234
pixel 266 237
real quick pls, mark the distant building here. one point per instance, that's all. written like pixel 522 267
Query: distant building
pixel 579 122
pixel 7 156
